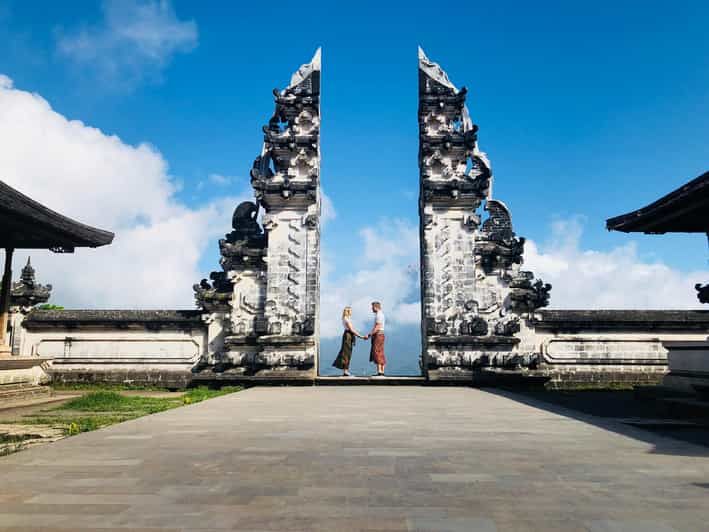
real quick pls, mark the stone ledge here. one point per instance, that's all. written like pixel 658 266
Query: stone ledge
pixel 21 362
pixel 286 341
pixel 575 320
pixel 42 319
pixel 289 376
pixel 474 341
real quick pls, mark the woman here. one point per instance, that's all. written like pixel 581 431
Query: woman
pixel 348 341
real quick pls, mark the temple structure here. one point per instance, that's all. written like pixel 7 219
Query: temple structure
pixel 27 224
pixel 25 294
pixel 474 293
pixel 684 210
pixel 262 307
pixel 258 317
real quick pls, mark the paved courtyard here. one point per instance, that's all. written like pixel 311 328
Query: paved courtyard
pixel 360 458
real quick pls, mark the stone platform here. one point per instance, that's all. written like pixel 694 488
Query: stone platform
pixel 389 380
pixel 393 458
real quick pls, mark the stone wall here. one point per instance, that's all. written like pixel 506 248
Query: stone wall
pixel 129 347
pixel 594 347
pixel 688 364
pixel 171 348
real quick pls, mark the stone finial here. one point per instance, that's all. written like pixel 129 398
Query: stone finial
pixel 27 292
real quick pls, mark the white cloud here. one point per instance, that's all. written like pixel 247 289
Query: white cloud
pixel 135 40
pixel 581 278
pixel 217 180
pixel 328 212
pixel 615 279
pixel 98 179
pixel 388 272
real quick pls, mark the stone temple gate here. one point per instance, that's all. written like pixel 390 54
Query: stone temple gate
pixel 475 297
pixel 262 307
pixel 258 315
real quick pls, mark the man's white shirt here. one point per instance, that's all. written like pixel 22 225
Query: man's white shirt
pixel 380 319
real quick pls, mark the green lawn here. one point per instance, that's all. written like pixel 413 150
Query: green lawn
pixel 97 409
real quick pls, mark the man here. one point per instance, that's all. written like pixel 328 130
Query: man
pixel 376 354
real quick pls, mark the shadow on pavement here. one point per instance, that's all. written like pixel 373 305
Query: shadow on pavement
pixel 619 411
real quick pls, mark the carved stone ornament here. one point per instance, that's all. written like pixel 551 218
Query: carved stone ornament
pixel 528 295
pixel 27 292
pixel 473 293
pixel 268 288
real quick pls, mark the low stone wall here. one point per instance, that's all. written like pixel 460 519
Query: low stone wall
pixel 117 346
pixel 597 347
pixel 688 366
pixel 17 370
pixel 172 348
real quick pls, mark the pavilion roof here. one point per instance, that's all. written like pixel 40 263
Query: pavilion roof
pixel 26 223
pixel 685 210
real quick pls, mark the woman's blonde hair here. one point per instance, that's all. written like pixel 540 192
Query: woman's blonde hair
pixel 346 312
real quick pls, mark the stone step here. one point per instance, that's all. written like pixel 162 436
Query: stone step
pixel 21 362
pixel 369 381
pixel 14 393
pixel 512 378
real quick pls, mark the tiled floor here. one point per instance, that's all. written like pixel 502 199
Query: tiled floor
pixel 360 458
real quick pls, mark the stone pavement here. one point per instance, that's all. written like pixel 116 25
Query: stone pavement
pixel 360 458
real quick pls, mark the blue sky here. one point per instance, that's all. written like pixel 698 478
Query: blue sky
pixel 586 110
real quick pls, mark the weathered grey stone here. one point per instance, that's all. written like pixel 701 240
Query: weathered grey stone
pixel 471 283
pixel 268 292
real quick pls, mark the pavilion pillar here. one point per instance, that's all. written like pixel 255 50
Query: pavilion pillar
pixel 5 287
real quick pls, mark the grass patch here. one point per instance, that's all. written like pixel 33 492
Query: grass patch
pixel 98 409
pixel 115 402
pixel 105 387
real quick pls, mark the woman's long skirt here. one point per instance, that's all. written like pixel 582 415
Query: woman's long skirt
pixel 376 354
pixel 345 355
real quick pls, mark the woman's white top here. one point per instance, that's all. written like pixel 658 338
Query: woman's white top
pixel 380 319
pixel 345 323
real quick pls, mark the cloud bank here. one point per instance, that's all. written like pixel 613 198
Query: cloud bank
pixel 100 180
pixel 135 40
pixel 614 279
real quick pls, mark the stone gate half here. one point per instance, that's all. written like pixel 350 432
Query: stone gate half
pixel 475 298
pixel 262 307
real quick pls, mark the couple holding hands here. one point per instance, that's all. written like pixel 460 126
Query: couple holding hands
pixel 376 353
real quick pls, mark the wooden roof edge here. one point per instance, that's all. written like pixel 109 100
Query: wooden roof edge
pixel 33 211
pixel 628 222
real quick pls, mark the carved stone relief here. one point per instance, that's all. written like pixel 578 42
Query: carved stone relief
pixel 474 295
pixel 267 294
